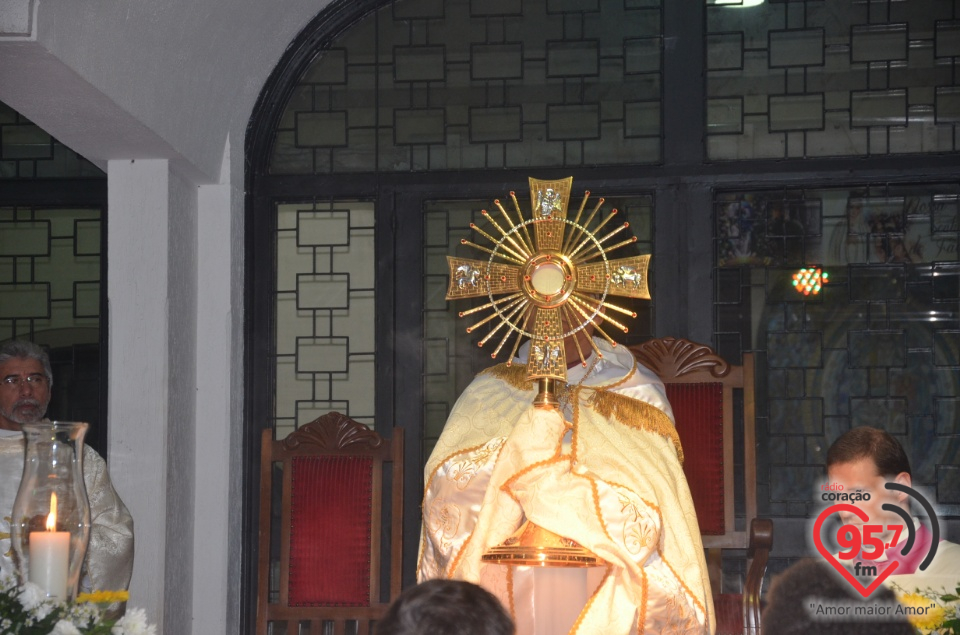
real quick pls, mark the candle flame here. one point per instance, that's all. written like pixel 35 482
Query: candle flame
pixel 52 516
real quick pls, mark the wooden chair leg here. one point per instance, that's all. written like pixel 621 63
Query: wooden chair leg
pixel 758 552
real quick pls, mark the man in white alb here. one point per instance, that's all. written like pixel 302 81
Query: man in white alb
pixel 25 383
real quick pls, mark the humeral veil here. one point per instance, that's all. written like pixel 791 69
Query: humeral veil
pixel 609 478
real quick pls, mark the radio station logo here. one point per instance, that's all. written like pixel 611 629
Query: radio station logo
pixel 863 546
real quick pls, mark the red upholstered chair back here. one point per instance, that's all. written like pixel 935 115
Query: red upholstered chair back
pixel 702 389
pixel 321 500
pixel 331 506
pixel 698 411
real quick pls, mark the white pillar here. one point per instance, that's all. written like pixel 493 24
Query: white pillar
pixel 152 377
pixel 214 534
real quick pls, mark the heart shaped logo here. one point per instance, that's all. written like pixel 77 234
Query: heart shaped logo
pixel 818 541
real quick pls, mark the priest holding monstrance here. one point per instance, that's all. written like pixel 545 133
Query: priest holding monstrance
pixel 557 481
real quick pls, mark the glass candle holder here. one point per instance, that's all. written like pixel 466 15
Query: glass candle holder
pixel 51 515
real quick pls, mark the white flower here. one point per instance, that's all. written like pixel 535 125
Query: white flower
pixel 31 596
pixel 35 601
pixel 83 615
pixel 134 623
pixel 8 581
pixel 64 627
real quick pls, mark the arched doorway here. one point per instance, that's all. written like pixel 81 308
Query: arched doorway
pixel 380 137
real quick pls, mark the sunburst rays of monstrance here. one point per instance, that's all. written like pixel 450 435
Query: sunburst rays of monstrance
pixel 547 278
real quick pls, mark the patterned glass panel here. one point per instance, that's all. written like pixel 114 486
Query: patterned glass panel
pixel 50 291
pixel 325 347
pixel 427 85
pixel 838 78
pixel 878 344
pixel 26 152
pixel 50 275
pixel 451 355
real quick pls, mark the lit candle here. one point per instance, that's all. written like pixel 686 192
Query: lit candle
pixel 50 556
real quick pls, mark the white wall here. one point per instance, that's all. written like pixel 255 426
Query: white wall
pixel 178 76
pixel 159 95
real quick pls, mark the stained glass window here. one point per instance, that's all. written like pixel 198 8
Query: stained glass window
pixel 878 345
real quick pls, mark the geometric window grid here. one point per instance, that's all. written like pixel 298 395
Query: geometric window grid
pixel 427 85
pixel 27 151
pixel 325 339
pixel 452 357
pixel 878 344
pixel 50 273
pixel 800 80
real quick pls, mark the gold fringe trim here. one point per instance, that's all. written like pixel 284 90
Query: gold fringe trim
pixel 630 412
pixel 515 375
pixel 636 414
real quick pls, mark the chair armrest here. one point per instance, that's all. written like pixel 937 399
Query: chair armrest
pixel 758 552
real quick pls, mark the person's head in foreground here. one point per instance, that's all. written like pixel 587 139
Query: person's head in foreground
pixel 25 382
pixel 864 459
pixel 808 597
pixel 446 607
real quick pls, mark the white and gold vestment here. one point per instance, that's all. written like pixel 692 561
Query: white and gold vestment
pixel 109 559
pixel 609 478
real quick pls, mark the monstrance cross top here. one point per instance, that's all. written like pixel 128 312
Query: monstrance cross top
pixel 548 277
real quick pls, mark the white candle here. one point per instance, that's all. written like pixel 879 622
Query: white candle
pixel 50 556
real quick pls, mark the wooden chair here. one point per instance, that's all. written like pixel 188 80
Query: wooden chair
pixel 319 558
pixel 701 388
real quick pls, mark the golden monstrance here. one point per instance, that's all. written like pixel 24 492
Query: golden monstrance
pixel 547 278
